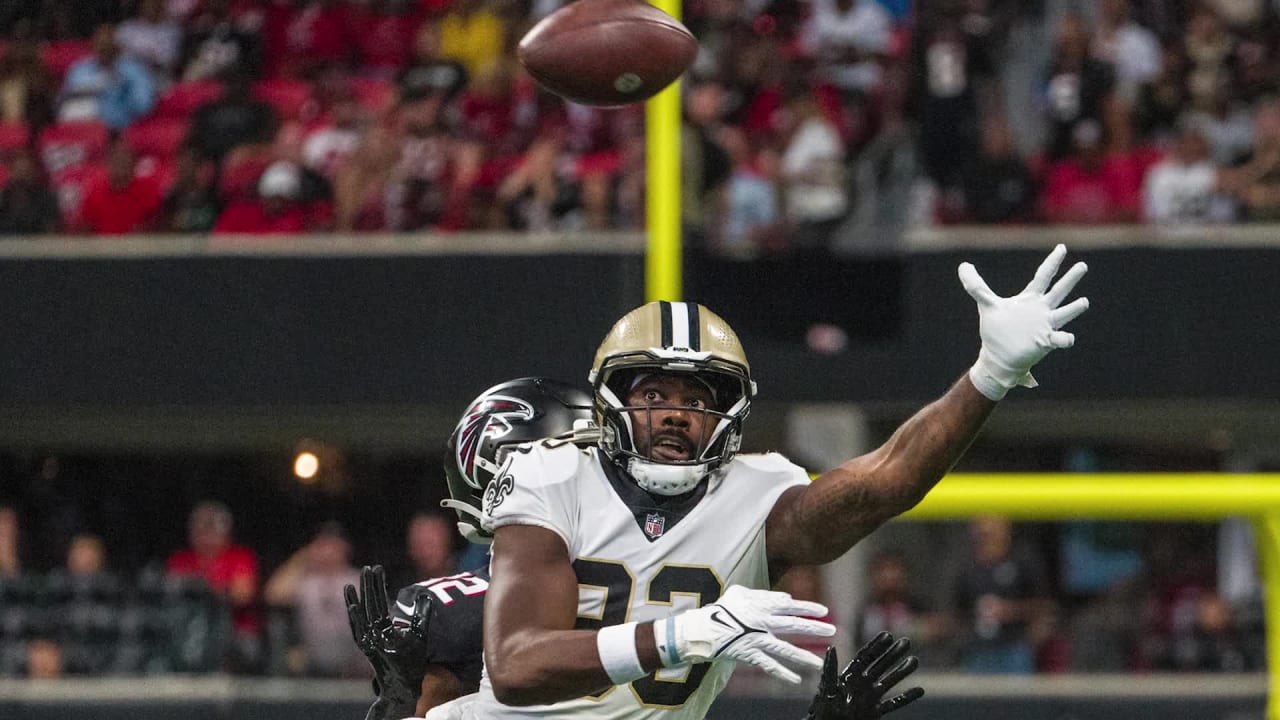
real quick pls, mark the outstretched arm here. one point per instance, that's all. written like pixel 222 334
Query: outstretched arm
pixel 819 522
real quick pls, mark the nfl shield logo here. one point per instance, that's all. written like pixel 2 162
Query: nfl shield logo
pixel 654 525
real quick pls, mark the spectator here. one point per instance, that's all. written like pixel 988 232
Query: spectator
pixel 44 659
pixel 1184 187
pixel 1079 86
pixel 231 572
pixel 219 45
pixel 472 34
pixel 891 606
pixel 751 218
pixel 429 544
pixel 1085 188
pixel 1208 47
pixel 26 86
pixel 1213 643
pixel 1257 181
pixel 813 174
pixel 704 163
pixel 277 208
pixel 329 145
pixel 191 205
pixel 106 86
pixel 850 39
pixel 361 187
pixel 1130 48
pixel 231 121
pixel 122 201
pixel 153 39
pixel 28 205
pixel 310 582
pixel 1227 124
pixel 999 187
pixel 10 560
pixel 428 73
pixel 951 69
pixel 999 594
pixel 1164 99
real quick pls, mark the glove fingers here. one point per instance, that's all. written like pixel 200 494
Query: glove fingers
pixel 895 676
pixel 898 701
pixel 1066 284
pixel 769 665
pixel 867 654
pixel 800 626
pixel 890 656
pixel 1061 340
pixel 975 285
pixel 803 608
pixel 382 602
pixel 1068 312
pixel 778 648
pixel 1044 274
pixel 355 613
pixel 829 684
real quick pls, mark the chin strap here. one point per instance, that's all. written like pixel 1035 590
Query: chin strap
pixel 472 532
pixel 662 479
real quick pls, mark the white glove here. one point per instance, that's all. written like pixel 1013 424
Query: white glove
pixel 740 626
pixel 1017 332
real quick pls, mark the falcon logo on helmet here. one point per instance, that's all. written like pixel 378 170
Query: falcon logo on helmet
pixel 671 338
pixel 501 418
pixel 490 418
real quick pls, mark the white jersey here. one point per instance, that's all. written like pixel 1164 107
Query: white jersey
pixel 640 557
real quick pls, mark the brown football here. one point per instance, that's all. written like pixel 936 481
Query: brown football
pixel 607 52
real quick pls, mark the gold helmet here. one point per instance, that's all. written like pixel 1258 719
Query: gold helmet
pixel 671 337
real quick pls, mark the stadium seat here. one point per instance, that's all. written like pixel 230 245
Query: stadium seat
pixel 157 137
pixel 13 138
pixel 60 56
pixel 291 99
pixel 182 99
pixel 69 145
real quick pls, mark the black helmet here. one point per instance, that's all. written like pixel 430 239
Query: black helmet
pixel 502 417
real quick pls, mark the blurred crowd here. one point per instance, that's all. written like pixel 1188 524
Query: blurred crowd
pixel 808 123
pixel 1082 596
pixel 208 607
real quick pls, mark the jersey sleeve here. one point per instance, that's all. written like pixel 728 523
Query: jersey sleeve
pixel 455 633
pixel 536 487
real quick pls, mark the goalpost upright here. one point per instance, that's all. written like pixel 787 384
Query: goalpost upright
pixel 663 265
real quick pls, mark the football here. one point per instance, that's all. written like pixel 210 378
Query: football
pixel 607 52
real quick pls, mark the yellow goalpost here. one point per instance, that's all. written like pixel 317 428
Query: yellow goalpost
pixel 662 187
pixel 1132 496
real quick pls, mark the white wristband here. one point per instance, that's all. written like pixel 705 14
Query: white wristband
pixel 617 647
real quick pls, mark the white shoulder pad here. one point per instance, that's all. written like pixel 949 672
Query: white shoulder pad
pixel 537 485
pixel 770 463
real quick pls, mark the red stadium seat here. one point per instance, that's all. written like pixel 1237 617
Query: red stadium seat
pixel 373 94
pixel 70 145
pixel 182 99
pixel 291 99
pixel 13 137
pixel 157 137
pixel 60 56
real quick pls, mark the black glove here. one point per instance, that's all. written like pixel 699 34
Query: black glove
pixel 398 654
pixel 855 693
